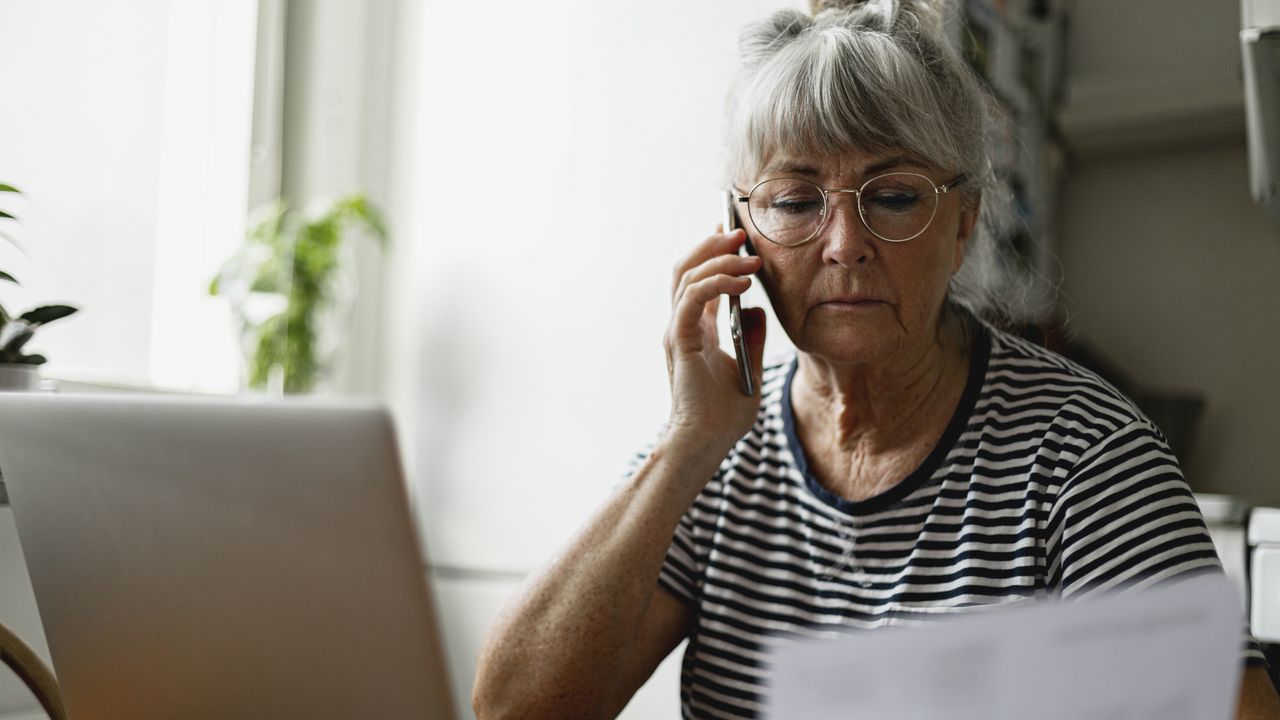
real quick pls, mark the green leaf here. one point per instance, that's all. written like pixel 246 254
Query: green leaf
pixel 303 255
pixel 15 334
pixel 6 276
pixel 9 189
pixel 378 225
pixel 4 214
pixel 14 241
pixel 33 359
pixel 47 314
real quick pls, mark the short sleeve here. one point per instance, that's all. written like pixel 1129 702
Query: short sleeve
pixel 681 573
pixel 1126 519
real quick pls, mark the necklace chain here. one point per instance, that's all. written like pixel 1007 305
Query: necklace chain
pixel 847 557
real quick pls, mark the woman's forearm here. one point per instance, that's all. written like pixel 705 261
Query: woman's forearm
pixel 557 647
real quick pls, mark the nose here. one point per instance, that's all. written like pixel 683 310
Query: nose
pixel 845 238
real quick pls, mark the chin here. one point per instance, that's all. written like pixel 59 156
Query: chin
pixel 852 342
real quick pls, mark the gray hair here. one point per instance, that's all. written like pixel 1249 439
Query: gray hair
pixel 879 76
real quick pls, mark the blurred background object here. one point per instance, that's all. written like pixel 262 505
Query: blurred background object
pixel 20 370
pixel 291 289
pixel 1260 47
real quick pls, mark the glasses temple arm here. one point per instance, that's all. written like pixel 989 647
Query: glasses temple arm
pixel 959 179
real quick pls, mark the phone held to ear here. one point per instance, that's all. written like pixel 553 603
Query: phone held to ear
pixel 746 378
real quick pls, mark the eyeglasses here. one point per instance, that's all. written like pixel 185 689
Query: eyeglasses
pixel 895 206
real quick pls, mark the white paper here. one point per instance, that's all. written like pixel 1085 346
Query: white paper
pixel 1169 653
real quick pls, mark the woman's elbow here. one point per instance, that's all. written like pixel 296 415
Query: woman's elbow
pixel 487 705
pixel 500 693
pixel 488 699
pixel 498 696
pixel 504 704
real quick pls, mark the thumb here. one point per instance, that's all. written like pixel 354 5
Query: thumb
pixel 754 327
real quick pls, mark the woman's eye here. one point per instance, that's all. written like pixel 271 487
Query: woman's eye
pixel 895 202
pixel 797 206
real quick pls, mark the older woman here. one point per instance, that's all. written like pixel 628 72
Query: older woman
pixel 910 461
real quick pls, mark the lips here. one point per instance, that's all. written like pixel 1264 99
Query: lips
pixel 850 300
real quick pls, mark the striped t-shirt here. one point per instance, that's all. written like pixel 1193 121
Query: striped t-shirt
pixel 1047 482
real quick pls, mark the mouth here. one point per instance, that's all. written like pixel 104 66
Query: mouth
pixel 851 301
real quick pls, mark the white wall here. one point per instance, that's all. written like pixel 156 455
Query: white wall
pixel 567 155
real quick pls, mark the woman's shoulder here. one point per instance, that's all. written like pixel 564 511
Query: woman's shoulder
pixel 776 369
pixel 1022 371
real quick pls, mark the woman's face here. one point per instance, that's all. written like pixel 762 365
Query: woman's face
pixel 846 295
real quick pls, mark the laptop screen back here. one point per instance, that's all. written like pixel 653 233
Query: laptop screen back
pixel 222 557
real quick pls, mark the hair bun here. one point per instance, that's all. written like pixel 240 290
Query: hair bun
pixel 761 40
pixel 884 15
pixel 817 6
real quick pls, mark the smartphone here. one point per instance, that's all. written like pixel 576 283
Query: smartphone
pixel 746 379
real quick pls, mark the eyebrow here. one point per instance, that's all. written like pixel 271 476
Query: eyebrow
pixel 800 168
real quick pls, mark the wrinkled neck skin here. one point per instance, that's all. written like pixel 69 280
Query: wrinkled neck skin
pixel 881 408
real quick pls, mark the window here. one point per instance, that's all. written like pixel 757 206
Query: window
pixel 129 134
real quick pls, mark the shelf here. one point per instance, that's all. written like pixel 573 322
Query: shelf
pixel 1101 118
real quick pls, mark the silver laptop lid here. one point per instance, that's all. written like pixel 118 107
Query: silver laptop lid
pixel 222 557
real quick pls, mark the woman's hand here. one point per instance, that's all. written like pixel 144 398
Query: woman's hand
pixel 706 398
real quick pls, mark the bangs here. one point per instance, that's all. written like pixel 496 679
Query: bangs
pixel 835 91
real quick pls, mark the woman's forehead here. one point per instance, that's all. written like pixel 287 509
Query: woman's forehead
pixel 850 163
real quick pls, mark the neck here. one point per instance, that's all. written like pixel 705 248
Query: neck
pixel 883 407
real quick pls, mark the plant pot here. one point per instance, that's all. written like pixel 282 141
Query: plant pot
pixel 18 377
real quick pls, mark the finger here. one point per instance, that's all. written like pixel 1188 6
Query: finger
pixel 717 244
pixel 719 265
pixel 691 306
pixel 712 309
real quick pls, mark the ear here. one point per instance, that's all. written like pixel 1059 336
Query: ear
pixel 968 221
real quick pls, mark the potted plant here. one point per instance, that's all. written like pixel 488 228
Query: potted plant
pixel 291 287
pixel 18 369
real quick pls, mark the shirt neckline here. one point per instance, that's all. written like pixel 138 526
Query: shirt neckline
pixel 980 354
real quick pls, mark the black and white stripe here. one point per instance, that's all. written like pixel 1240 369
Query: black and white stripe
pixel 1047 483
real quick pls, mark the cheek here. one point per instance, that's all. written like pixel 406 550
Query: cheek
pixel 786 279
pixel 950 247
pixel 920 277
pixel 932 275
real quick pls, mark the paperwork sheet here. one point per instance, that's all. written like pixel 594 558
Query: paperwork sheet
pixel 1169 653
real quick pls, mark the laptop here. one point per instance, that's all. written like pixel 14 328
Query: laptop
pixel 218 557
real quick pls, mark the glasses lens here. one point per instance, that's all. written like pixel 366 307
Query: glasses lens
pixel 898 206
pixel 787 212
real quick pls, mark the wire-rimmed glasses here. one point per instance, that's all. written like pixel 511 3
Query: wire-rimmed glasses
pixel 895 207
